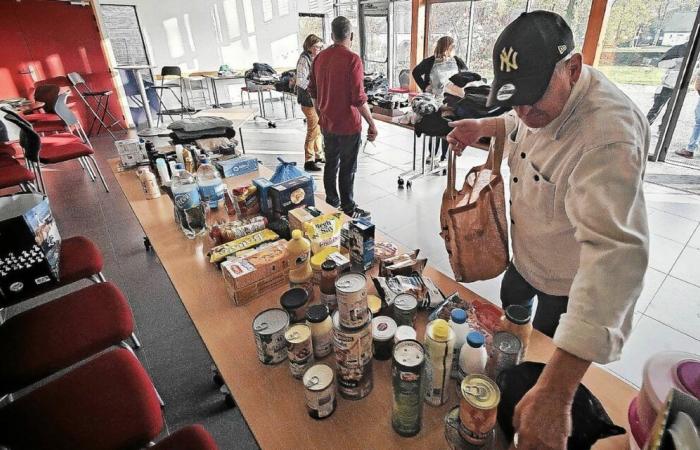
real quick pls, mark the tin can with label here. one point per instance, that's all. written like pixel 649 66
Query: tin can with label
pixel 407 382
pixel 506 350
pixel 268 328
pixel 319 391
pixel 478 408
pixel 383 330
pixel 353 347
pixel 405 309
pixel 299 349
pixel 355 383
pixel 351 293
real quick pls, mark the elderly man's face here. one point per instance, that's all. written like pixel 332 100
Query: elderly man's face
pixel 554 99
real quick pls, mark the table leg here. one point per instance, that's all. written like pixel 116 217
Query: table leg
pixel 144 98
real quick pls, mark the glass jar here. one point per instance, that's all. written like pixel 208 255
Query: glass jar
pixel 517 320
pixel 318 319
pixel 329 273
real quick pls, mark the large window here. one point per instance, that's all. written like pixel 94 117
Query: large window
pixel 402 42
pixel 310 24
pixel 575 12
pixel 349 9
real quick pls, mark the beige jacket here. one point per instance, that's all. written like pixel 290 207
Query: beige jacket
pixel 579 220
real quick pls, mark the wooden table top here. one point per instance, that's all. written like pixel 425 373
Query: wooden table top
pixel 271 401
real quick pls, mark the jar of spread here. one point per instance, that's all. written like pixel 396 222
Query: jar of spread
pixel 383 330
pixel 317 262
pixel 329 273
pixel 517 320
pixel 294 301
pixel 318 319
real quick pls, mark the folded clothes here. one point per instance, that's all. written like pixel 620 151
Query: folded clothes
pixel 200 123
pixel 181 137
pixel 462 78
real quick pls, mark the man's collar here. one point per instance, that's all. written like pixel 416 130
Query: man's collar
pixel 577 94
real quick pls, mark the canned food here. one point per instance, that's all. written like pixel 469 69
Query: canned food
pixel 299 349
pixel 407 379
pixel 404 332
pixel 506 350
pixel 405 309
pixel 355 383
pixel 319 392
pixel 351 291
pixel 478 408
pixel 353 347
pixel 383 329
pixel 294 301
pixel 268 328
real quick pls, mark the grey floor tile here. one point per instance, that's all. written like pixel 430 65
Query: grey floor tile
pixel 677 304
pixel 671 226
pixel 663 253
pixel 652 282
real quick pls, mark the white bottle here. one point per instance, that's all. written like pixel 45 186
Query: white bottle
pixel 472 358
pixel 178 154
pixel 188 205
pixel 458 323
pixel 211 188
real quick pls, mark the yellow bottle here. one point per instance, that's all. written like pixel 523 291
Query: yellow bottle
pixel 299 254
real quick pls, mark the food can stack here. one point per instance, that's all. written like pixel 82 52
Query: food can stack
pixel 352 337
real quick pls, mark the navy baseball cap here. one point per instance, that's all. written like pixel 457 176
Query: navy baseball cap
pixel 525 55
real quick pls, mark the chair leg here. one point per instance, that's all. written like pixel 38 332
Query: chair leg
pixel 135 341
pixel 160 108
pixel 90 172
pixel 99 172
pixel 41 178
pixel 82 163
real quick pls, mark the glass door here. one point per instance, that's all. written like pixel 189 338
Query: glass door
pixel 374 31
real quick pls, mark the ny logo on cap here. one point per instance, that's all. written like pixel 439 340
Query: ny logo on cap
pixel 562 49
pixel 509 60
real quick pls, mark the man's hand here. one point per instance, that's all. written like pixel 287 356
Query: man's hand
pixel 372 132
pixel 466 132
pixel 542 420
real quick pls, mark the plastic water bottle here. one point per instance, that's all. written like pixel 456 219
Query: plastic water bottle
pixel 188 206
pixel 211 188
pixel 473 356
pixel 458 323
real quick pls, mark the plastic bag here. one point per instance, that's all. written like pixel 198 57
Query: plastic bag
pixel 590 422
pixel 286 171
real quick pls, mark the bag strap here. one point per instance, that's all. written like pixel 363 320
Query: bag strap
pixel 497 148
pixel 451 171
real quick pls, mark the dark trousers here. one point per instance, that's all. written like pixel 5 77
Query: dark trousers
pixel 516 291
pixel 341 164
pixel 660 100
pixel 442 144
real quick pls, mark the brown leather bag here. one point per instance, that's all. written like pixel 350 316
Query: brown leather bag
pixel 473 219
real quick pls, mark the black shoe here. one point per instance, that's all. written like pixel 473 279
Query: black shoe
pixel 320 161
pixel 310 166
pixel 358 213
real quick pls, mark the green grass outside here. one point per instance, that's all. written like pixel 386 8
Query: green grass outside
pixel 648 76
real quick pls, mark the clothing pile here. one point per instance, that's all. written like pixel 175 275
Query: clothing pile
pixel 187 130
pixel 389 101
pixel 285 82
pixel 375 84
pixel 261 74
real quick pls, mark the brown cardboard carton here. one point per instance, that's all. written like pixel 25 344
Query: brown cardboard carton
pixel 249 277
pixel 299 216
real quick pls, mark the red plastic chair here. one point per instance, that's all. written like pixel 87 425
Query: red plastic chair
pixel 192 437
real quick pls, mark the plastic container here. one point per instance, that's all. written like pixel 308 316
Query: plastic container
pixel 211 188
pixel 473 356
pixel 458 323
pixel 298 254
pixel 188 207
pixel 439 348
pixel 321 325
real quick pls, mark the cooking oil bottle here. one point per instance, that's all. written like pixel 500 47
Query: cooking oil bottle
pixel 299 257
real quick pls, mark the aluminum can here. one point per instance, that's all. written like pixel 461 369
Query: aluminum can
pixel 352 347
pixel 506 351
pixel 355 383
pixel 351 293
pixel 405 309
pixel 300 350
pixel 407 373
pixel 268 328
pixel 319 391
pixel 478 408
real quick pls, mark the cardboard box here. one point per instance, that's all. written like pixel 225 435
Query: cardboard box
pixel 256 274
pixel 291 194
pixel 264 185
pixel 131 152
pixel 29 247
pixel 361 241
pixel 299 216
pixel 240 165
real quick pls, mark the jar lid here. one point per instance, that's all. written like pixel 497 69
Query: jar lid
pixel 440 330
pixel 317 313
pixel 458 315
pixel 518 314
pixel 296 234
pixel 318 377
pixel 294 298
pixel 383 328
pixel 297 334
pixel 475 339
pixel 329 264
pixel 405 332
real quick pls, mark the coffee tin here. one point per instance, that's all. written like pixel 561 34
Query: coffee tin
pixel 405 309
pixel 506 351
pixel 319 391
pixel 268 328
pixel 478 408
pixel 404 332
pixel 407 372
pixel 353 347
pixel 383 329
pixel 351 291
pixel 355 383
pixel 299 349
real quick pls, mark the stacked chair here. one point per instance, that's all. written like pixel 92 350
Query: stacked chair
pixel 170 79
pixel 45 119
pixel 97 101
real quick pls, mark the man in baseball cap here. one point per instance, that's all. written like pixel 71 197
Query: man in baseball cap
pixel 576 148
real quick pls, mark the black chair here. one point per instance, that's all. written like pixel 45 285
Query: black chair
pixel 170 78
pixel 99 106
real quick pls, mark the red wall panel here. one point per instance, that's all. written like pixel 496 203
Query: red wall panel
pixel 54 38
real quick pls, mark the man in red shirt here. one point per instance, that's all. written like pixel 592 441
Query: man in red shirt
pixel 337 89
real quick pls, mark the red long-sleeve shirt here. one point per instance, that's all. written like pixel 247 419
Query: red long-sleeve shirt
pixel 336 83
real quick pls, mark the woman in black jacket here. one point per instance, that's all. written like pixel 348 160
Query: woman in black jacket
pixel 434 72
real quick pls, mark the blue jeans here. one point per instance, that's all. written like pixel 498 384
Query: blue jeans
pixel 695 137
pixel 341 164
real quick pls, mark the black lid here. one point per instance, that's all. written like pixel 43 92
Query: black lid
pixel 294 298
pixel 328 264
pixel 524 57
pixel 317 313
pixel 518 314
